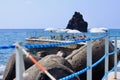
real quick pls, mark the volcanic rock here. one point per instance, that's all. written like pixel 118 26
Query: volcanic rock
pixel 78 59
pixel 77 22
pixel 10 70
pixel 41 54
pixel 57 66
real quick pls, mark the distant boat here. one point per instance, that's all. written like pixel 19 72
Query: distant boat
pixel 98 30
pixel 68 37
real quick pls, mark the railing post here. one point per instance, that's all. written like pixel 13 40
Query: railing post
pixel 106 52
pixel 19 63
pixel 115 58
pixel 89 57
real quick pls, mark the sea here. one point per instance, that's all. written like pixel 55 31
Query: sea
pixel 11 36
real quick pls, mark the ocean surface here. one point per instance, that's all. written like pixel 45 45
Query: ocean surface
pixel 10 36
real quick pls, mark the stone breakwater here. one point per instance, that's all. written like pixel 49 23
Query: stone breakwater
pixel 61 62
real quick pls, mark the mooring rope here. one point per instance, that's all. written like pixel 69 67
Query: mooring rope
pixel 50 44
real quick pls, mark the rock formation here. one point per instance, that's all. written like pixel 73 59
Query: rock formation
pixel 77 22
pixel 10 70
pixel 78 59
pixel 57 66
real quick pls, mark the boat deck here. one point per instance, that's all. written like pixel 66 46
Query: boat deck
pixel 40 40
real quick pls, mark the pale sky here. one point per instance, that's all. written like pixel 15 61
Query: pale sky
pixel 37 14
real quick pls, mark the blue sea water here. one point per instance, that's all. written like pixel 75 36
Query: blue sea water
pixel 10 36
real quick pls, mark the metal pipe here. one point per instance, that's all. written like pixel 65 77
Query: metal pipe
pixel 115 58
pixel 19 63
pixel 106 52
pixel 89 57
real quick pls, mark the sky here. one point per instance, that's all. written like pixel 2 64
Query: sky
pixel 37 14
